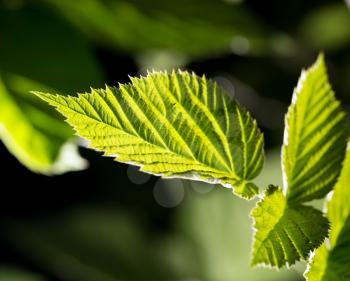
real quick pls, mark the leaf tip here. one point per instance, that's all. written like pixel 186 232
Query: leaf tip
pixel 320 62
pixel 245 190
pixel 43 96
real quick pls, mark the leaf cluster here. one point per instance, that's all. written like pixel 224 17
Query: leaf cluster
pixel 180 125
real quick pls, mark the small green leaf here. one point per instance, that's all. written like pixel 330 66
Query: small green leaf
pixel 216 229
pixel 174 125
pixel 331 261
pixel 314 138
pixel 285 233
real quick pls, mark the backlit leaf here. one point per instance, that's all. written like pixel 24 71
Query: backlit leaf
pixel 174 125
pixel 285 233
pixel 314 138
pixel 331 261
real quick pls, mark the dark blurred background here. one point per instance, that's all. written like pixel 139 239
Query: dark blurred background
pixel 109 222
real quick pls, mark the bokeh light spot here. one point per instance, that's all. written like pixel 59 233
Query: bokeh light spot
pixel 169 193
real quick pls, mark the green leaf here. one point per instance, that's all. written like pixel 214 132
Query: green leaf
pixel 36 137
pixel 312 155
pixel 332 261
pixel 314 138
pixel 174 125
pixel 338 208
pixel 285 233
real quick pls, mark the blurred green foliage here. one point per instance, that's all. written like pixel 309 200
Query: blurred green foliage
pixel 210 241
pixel 193 28
pixel 327 27
pixel 40 54
pixel 8 273
pixel 35 135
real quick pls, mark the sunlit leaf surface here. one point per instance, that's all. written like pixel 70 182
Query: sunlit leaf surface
pixel 174 125
pixel 332 260
pixel 314 137
pixel 285 233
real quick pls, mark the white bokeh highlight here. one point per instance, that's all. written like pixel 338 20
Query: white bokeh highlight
pixel 169 193
pixel 136 176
